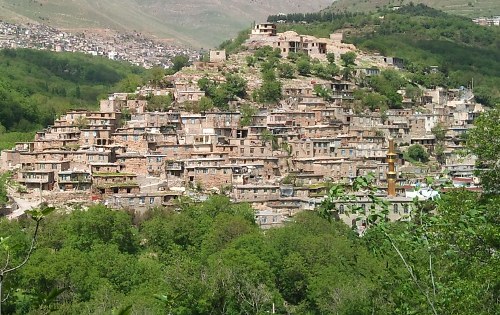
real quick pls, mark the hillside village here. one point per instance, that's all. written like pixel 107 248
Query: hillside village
pixel 135 48
pixel 280 156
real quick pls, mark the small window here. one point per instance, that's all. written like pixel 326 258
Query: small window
pixel 395 208
pixel 151 200
pixel 406 208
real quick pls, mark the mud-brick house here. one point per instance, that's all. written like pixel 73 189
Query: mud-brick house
pixel 115 183
pixel 143 200
pixel 253 193
pixel 155 164
pixel 9 159
pixel 99 135
pixel 209 176
pixel 74 180
pixel 133 138
pixel 133 163
pixel 267 219
pixel 41 179
pixel 105 167
pixel 263 30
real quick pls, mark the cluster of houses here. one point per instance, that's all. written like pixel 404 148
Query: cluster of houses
pixel 135 48
pixel 282 160
pixel 487 21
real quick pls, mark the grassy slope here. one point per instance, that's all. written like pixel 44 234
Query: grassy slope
pixel 471 8
pixel 201 23
pixel 35 86
pixel 426 37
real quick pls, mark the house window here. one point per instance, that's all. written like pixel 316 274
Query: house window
pixel 151 200
pixel 341 209
pixel 395 208
pixel 406 208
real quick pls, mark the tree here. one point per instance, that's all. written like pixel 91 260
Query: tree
pixel 323 92
pixel 304 66
pixel 37 215
pixel 439 131
pixel 286 71
pixel 247 111
pixel 483 141
pixel 417 152
pixel 330 57
pixel 159 102
pixel 156 76
pixel 413 92
pixel 270 91
pixel 251 60
pixel 348 59
pixel 205 104
pixel 179 62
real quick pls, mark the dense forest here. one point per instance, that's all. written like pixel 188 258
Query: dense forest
pixel 36 86
pixel 211 258
pixel 462 51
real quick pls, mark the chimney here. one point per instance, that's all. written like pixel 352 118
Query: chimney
pixel 391 174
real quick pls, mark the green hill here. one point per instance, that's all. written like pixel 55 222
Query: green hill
pixel 35 86
pixel 423 37
pixel 471 8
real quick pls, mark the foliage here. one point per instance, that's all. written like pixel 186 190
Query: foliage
pixel 348 58
pixel 462 51
pixel 179 62
pixel 439 131
pixel 9 139
pixel 235 45
pixel 223 93
pixel 304 66
pixel 330 57
pixel 270 91
pixel 418 153
pixel 371 100
pixel 247 111
pixel 210 257
pixel 268 137
pixel 387 84
pixel 323 92
pixel 4 178
pixel 483 141
pixel 36 86
pixel 159 102
pixel 286 71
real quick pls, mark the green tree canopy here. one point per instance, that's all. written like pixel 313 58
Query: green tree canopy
pixel 483 141
pixel 418 153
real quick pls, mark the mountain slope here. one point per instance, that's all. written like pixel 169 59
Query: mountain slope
pixel 463 51
pixel 197 22
pixel 471 8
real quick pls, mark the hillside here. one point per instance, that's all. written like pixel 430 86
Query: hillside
pixel 201 23
pixel 35 86
pixel 423 37
pixel 461 7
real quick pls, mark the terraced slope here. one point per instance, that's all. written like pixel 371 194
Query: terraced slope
pixel 471 8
